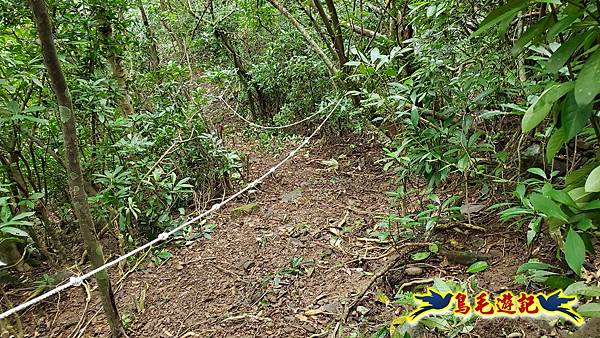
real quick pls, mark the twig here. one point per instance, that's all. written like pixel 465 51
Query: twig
pixel 366 288
pixel 415 282
pixel 376 276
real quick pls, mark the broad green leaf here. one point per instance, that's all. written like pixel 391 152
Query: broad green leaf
pixel 545 205
pixel 574 251
pixel 579 195
pixel 590 205
pixel 589 310
pixel 440 324
pixel 564 52
pixel 13 107
pixel 592 183
pixel 441 285
pixel 23 215
pixel 477 267
pixel 577 177
pixel 587 85
pixel 533 265
pixel 537 171
pixel 580 288
pixel 531 34
pixel 14 231
pixel 501 13
pixel 585 224
pixel 541 107
pixel 555 142
pixel 564 22
pixel 558 282
pixel 561 196
pixel 573 117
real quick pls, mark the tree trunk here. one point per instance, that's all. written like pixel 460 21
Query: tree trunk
pixel 332 24
pixel 311 42
pixel 74 172
pixel 258 101
pixel 338 39
pixel 116 61
pixel 154 59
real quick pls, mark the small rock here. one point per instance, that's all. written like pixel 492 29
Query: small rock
pixel 326 253
pixel 178 266
pixel 362 310
pixel 413 271
pixel 292 196
pixel 296 242
pixel 330 308
pixel 308 328
pixel 245 264
pixel 245 209
pixel 471 208
pixel 514 335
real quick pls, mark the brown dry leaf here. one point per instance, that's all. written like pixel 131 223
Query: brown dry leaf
pixel 313 312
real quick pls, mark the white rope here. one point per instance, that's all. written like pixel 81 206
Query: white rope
pixel 75 281
pixel 260 126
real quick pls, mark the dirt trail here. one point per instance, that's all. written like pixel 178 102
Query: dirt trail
pixel 283 260
pixel 269 264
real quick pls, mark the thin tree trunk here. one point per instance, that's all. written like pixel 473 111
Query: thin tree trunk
pixel 116 62
pixel 313 44
pixel 332 24
pixel 338 39
pixel 75 175
pixel 324 37
pixel 154 59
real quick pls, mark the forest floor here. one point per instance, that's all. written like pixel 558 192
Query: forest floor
pixel 287 259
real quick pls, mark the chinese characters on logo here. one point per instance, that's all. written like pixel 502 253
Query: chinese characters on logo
pixel 506 304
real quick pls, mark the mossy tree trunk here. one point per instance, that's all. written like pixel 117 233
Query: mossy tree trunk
pixel 75 175
pixel 114 59
pixel 154 59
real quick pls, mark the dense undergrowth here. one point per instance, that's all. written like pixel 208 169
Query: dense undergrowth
pixel 497 99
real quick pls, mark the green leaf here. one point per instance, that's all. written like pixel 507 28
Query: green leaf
pixel 587 85
pixel 573 117
pixel 441 285
pixel 574 251
pixel 577 177
pixel 421 255
pixel 579 288
pixel 433 248
pixel 572 12
pixel 23 215
pixel 14 231
pixel 477 267
pixel 501 13
pixel 537 171
pixel 555 142
pixel 592 183
pixel 541 107
pixel 545 205
pixel 564 52
pixel 585 224
pixel 533 32
pixel 533 265
pixel 383 298
pixel 589 310
pixel 558 282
